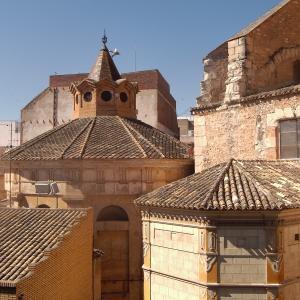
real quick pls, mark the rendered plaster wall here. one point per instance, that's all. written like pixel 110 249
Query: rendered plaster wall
pixel 53 107
pixel 242 131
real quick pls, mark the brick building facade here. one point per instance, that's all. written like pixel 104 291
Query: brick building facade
pixel 46 254
pixel 250 86
pixel 54 105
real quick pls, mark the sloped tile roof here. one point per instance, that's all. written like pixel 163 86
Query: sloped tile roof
pixel 25 235
pixel 104 68
pixel 235 185
pixel 101 137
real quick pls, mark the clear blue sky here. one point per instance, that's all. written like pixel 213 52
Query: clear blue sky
pixel 39 38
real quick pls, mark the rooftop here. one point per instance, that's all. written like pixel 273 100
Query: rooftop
pixel 233 185
pixel 27 234
pixel 101 137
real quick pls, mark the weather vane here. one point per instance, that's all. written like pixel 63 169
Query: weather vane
pixel 104 39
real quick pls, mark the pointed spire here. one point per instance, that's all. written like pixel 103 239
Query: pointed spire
pixel 104 68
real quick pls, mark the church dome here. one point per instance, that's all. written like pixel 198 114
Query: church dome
pixel 101 137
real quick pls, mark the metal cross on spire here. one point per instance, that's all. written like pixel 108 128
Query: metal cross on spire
pixel 104 39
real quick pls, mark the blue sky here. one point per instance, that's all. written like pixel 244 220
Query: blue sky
pixel 39 38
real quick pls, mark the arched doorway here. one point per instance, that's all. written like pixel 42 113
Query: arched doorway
pixel 113 238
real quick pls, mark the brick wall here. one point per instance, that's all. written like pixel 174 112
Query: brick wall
pixel 67 271
pixel 55 105
pixel 66 79
pixel 7 293
pixel 243 131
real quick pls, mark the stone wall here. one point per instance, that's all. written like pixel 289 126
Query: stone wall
pixel 100 184
pixel 199 257
pixel 215 75
pixel 243 131
pixel 263 57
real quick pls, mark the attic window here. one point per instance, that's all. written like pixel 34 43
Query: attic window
pixel 296 71
pixel 290 138
pixel 87 96
pixel 106 96
pixel 123 97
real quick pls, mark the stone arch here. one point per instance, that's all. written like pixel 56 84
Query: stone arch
pixel 278 57
pixel 112 237
pixel 43 206
pixel 112 213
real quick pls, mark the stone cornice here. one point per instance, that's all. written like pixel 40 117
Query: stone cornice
pixel 214 284
pixel 256 98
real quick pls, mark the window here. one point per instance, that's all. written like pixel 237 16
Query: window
pixel 290 138
pixel 87 96
pixel 106 96
pixel 123 97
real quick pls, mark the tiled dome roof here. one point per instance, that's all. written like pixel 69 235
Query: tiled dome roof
pixel 235 185
pixel 101 137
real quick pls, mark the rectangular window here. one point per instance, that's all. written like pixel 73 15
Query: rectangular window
pixel 290 138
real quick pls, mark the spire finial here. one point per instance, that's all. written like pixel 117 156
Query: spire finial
pixel 104 39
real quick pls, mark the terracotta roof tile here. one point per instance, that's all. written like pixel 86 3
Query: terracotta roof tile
pixel 101 137
pixel 104 68
pixel 235 185
pixel 25 235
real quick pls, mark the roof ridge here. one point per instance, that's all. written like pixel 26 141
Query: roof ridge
pixel 260 20
pixel 134 139
pixel 38 138
pixel 75 138
pixel 87 137
pixel 217 183
pixel 253 180
pixel 146 140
